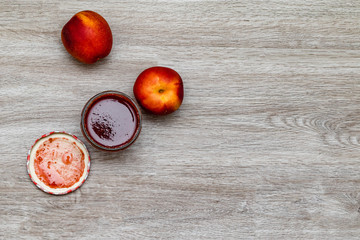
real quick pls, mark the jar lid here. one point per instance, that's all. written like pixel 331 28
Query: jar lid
pixel 58 163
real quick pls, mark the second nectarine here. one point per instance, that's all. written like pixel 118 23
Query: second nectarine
pixel 159 90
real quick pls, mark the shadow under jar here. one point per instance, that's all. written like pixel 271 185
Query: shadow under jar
pixel 111 121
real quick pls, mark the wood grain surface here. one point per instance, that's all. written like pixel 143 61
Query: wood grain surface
pixel 265 146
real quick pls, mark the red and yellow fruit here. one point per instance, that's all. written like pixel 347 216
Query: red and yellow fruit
pixel 159 90
pixel 87 37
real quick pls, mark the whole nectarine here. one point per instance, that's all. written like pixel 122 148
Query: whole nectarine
pixel 87 37
pixel 159 90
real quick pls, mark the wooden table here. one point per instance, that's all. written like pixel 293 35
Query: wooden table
pixel 265 146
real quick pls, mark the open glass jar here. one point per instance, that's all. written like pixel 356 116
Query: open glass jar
pixel 111 121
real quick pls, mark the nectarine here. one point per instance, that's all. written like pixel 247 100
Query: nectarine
pixel 159 90
pixel 87 37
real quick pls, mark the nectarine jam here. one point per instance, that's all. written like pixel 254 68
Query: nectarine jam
pixel 59 162
pixel 111 121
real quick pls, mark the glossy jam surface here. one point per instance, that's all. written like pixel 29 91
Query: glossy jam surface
pixel 111 121
pixel 59 162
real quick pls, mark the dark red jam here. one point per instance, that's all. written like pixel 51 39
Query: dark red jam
pixel 111 120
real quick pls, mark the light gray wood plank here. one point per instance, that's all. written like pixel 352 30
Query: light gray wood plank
pixel 265 145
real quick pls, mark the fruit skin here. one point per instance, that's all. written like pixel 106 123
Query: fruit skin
pixel 159 90
pixel 87 37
